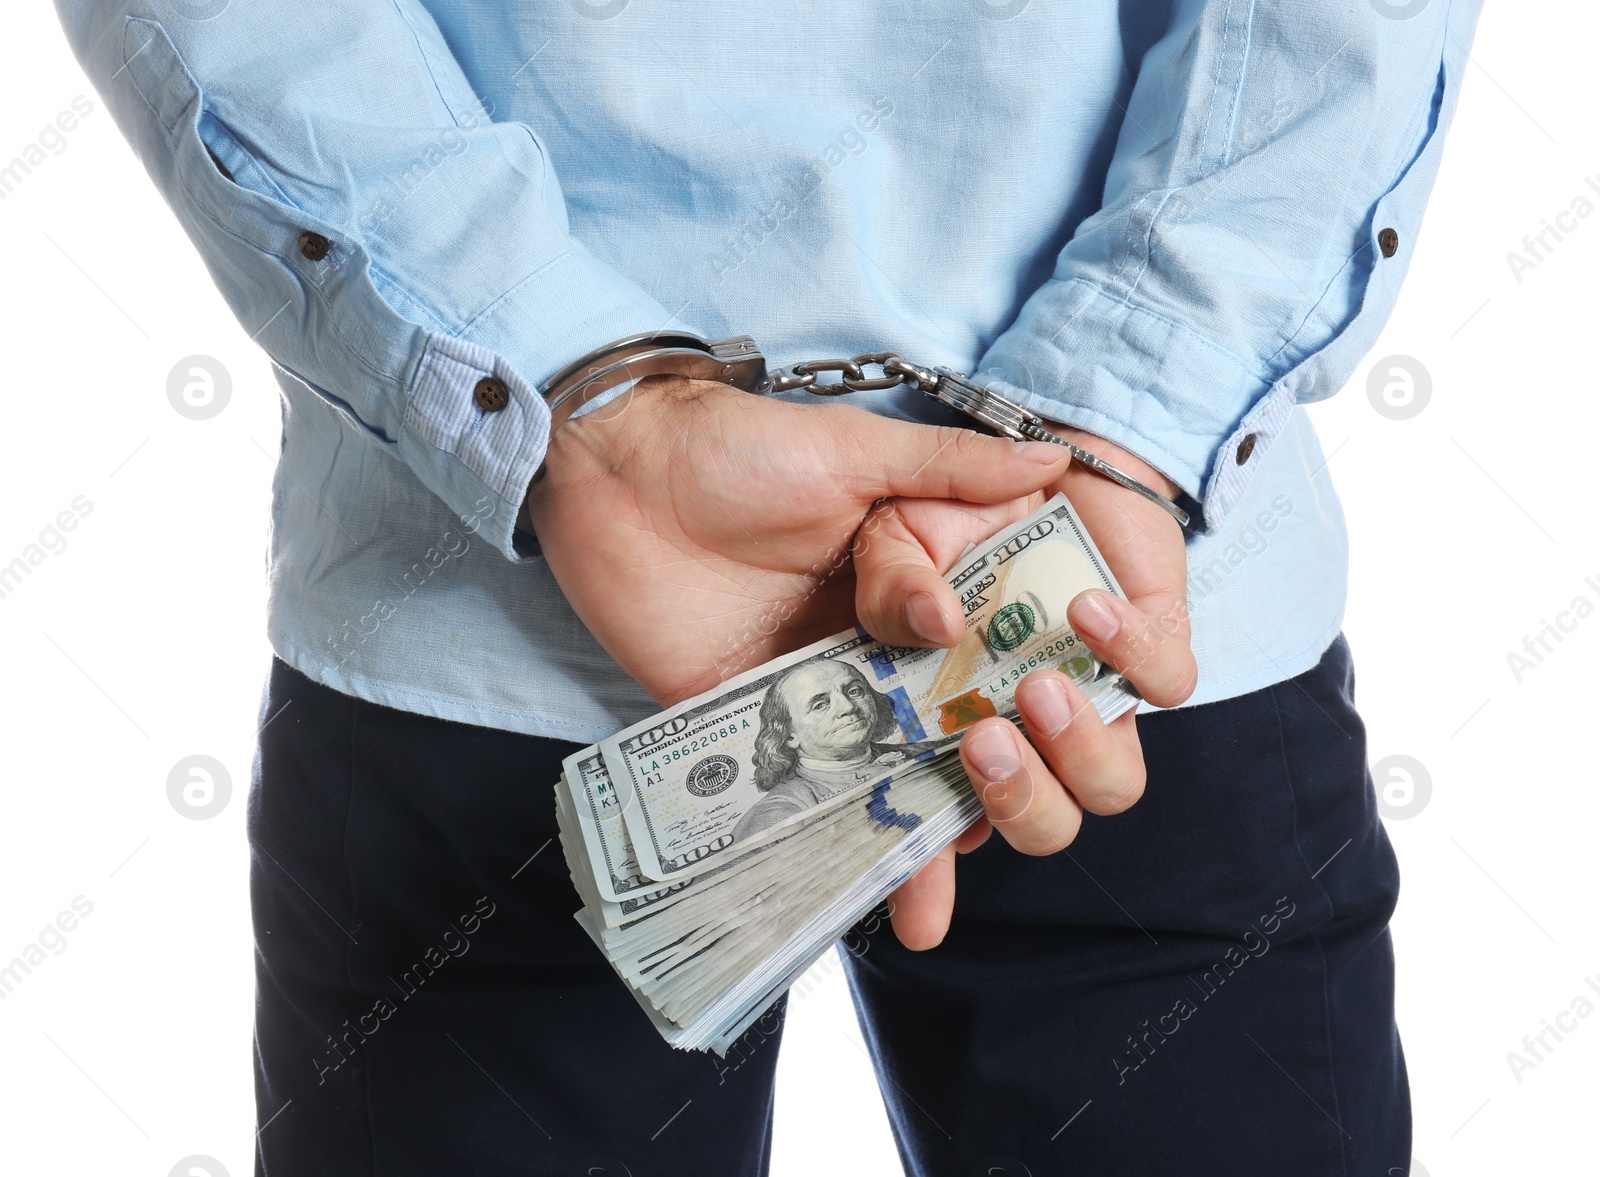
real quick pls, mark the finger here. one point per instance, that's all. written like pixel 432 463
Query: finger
pixel 1021 796
pixel 900 597
pixel 948 528
pixel 880 457
pixel 1101 764
pixel 1152 651
pixel 975 835
pixel 920 907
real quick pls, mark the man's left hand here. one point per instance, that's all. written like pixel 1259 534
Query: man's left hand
pixel 1036 782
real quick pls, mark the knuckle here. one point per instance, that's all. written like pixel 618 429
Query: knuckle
pixel 1120 796
pixel 964 446
pixel 1004 801
pixel 1141 646
pixel 1052 838
pixel 1172 620
pixel 1007 791
pixel 878 530
pixel 1172 678
pixel 1076 747
pixel 1186 683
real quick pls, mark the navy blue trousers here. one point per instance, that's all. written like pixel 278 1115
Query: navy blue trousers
pixel 1202 985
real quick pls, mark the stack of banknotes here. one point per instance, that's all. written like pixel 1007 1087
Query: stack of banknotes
pixel 725 844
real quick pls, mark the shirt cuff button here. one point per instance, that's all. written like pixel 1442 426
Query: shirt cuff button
pixel 491 394
pixel 1389 242
pixel 1247 446
pixel 314 246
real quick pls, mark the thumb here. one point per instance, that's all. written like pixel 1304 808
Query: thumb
pixel 900 596
pixel 881 456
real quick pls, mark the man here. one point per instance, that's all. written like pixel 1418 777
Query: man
pixel 1162 226
pixel 823 729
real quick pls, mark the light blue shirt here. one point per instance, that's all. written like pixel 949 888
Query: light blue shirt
pixel 1157 221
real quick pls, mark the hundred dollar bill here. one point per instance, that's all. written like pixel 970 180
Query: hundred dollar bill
pixel 740 763
pixel 589 814
pixel 706 968
pixel 604 868
pixel 589 800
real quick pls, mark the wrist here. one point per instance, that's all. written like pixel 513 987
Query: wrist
pixel 733 361
pixel 608 437
pixel 1124 460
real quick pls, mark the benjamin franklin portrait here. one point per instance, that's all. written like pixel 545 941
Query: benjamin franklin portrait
pixel 824 729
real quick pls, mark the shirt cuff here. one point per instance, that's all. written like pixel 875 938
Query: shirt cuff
pixel 1179 401
pixel 516 345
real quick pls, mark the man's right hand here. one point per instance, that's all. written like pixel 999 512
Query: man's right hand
pixel 698 530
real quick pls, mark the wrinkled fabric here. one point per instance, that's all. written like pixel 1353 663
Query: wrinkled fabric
pixel 1155 221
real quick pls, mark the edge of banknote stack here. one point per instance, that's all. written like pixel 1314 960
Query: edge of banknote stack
pixel 723 846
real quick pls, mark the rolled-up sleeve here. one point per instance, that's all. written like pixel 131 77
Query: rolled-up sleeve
pixel 389 242
pixel 1259 214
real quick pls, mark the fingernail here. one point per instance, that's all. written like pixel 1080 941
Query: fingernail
pixel 993 751
pixel 925 617
pixel 1046 705
pixel 1096 620
pixel 1046 453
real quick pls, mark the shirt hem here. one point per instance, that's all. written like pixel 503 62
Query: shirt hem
pixel 457 710
pixel 1286 668
pixel 447 707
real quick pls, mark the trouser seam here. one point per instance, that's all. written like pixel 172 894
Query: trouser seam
pixel 1316 935
pixel 349 955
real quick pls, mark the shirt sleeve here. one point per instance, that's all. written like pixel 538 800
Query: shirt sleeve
pixel 1259 214
pixel 390 244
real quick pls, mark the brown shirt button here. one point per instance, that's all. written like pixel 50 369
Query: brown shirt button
pixel 491 394
pixel 1247 446
pixel 1389 242
pixel 314 246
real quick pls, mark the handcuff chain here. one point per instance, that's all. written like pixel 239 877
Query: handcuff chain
pixel 956 391
pixel 897 370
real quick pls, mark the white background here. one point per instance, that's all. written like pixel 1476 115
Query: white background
pixel 142 642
